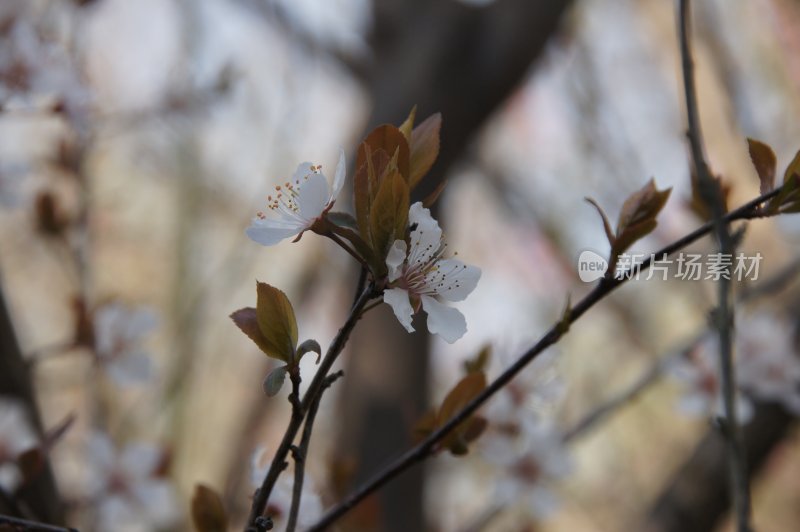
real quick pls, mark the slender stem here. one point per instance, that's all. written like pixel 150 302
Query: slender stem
pixel 315 388
pixel 301 452
pixel 348 249
pixel 606 285
pixel 711 193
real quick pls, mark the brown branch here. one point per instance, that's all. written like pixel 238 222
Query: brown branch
pixel 314 390
pixel 13 523
pixel 607 285
pixel 711 192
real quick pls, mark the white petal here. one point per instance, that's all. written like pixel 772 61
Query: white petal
pixel 397 298
pixel 116 513
pixel 312 196
pixel 303 169
pixel 395 259
pixel 270 232
pixel 426 238
pixel 459 279
pixel 338 178
pixel 445 321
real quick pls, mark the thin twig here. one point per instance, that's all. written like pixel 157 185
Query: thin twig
pixel 315 388
pixel 711 193
pixel 301 452
pixel 607 285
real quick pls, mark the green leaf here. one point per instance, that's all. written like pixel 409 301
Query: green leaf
pixel 208 512
pixel 277 322
pixel 274 380
pixel 424 148
pixel 309 346
pixel 765 162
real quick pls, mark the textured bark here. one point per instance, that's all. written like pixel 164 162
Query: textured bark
pixel 697 497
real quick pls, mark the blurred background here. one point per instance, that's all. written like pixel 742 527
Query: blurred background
pixel 138 139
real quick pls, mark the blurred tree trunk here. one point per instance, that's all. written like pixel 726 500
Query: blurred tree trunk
pixel 698 496
pixel 463 61
pixel 40 497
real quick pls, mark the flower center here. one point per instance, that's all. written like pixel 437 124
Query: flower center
pixel 284 200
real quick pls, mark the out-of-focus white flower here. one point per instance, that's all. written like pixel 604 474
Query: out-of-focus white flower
pixel 419 275
pixel 768 367
pixel 126 488
pixel 297 204
pixel 698 372
pixel 16 437
pixel 119 331
pixel 529 453
pixel 280 500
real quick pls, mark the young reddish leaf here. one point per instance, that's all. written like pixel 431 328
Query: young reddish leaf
pixel 638 215
pixel 463 392
pixel 426 424
pixel 642 205
pixel 433 196
pixel 479 362
pixel 370 164
pixel 458 443
pixel 606 225
pixel 466 390
pixel 276 321
pixel 765 162
pixel 389 216
pixel 274 380
pixel 408 125
pixel 245 319
pixel 424 148
pixel 208 512
pixel 698 204
pixel 790 191
pixel 389 139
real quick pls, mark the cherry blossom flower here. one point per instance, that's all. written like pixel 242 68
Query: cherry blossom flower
pixel 280 500
pixel 16 437
pixel 126 487
pixel 119 332
pixel 529 454
pixel 295 206
pixel 768 368
pixel 698 372
pixel 419 276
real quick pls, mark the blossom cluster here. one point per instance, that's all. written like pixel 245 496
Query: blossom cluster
pixel 767 370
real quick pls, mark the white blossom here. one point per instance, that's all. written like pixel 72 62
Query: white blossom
pixel 119 333
pixel 768 367
pixel 697 371
pixel 126 488
pixel 16 437
pixel 296 205
pixel 529 454
pixel 419 276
